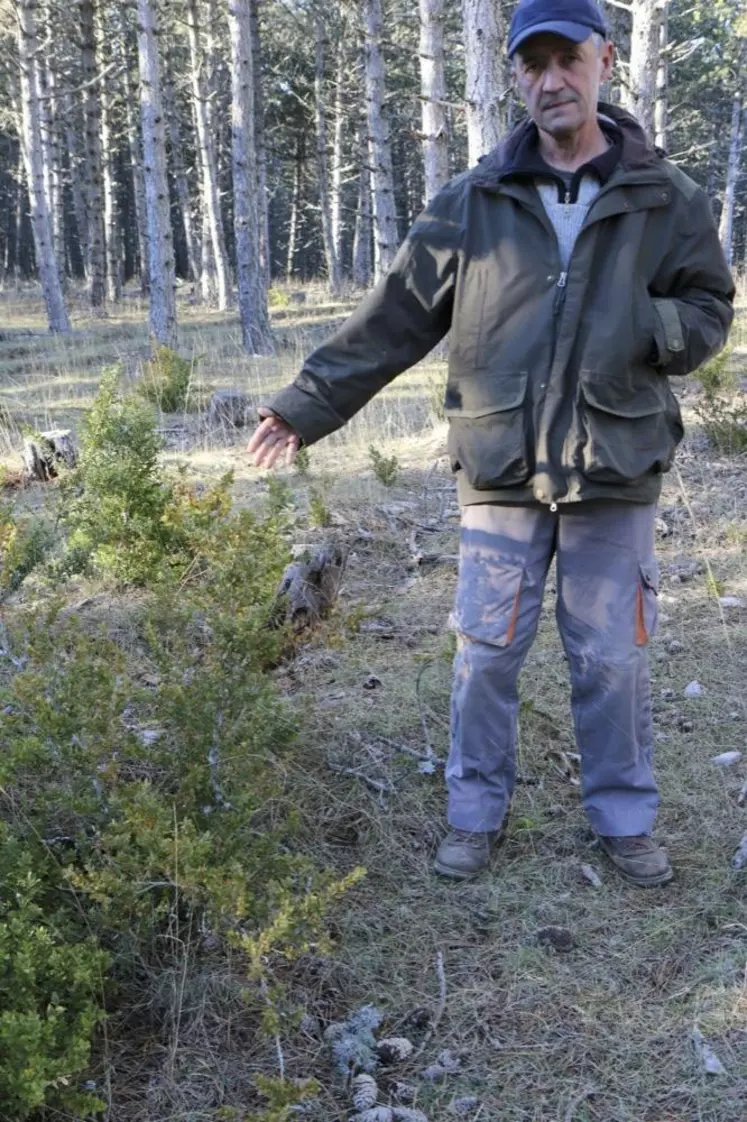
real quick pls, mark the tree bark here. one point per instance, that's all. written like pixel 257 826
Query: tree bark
pixel 28 49
pixel 138 185
pixel 487 84
pixel 108 160
pixel 77 187
pixel 644 62
pixel 160 240
pixel 293 221
pixel 261 147
pixel 433 95
pixel 726 225
pixel 255 320
pixel 362 265
pixel 661 108
pixel 322 172
pixel 208 165
pixel 180 178
pixel 338 141
pixel 384 215
pixel 92 159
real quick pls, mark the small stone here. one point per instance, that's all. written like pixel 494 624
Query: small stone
pixel 589 873
pixel 667 694
pixel 726 759
pixel 675 646
pixel 371 682
pixel 730 602
pixel 694 689
pixel 449 1062
pixel 662 529
pixel 463 1105
pixel 708 1059
pixel 685 725
pixel 559 938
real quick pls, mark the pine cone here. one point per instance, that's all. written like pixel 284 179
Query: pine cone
pixel 408 1114
pixel 394 1049
pixel 376 1114
pixel 365 1092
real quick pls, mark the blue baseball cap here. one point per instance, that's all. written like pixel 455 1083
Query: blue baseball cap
pixel 573 19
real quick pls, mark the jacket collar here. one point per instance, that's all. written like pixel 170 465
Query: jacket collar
pixel 513 156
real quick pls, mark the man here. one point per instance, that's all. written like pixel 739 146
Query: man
pixel 577 270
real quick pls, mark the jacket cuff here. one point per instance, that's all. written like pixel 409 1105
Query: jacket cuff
pixel 310 417
pixel 668 335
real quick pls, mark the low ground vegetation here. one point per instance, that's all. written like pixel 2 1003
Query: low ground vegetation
pixel 188 795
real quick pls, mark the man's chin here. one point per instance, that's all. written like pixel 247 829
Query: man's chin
pixel 560 123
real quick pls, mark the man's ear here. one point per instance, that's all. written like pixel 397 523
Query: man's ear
pixel 608 55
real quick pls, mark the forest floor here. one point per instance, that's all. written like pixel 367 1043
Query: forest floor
pixel 592 1024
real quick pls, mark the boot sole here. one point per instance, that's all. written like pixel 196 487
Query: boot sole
pixel 456 874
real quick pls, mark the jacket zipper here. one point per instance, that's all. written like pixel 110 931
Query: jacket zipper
pixel 560 290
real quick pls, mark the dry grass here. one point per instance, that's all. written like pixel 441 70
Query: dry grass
pixel 599 1034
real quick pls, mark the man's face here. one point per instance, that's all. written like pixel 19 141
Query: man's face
pixel 559 80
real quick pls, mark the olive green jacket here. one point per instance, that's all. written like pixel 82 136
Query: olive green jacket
pixel 557 386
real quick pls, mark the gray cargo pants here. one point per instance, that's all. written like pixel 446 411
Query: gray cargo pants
pixel 606 610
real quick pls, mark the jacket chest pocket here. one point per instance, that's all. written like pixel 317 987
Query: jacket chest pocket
pixel 488 429
pixel 627 430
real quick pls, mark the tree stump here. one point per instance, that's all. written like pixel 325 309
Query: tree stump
pixel 44 452
pixel 309 588
pixel 230 408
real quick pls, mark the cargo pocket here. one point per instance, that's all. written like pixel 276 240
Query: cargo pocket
pixel 627 429
pixel 488 436
pixel 647 604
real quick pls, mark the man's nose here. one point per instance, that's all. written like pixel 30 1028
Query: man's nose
pixel 553 79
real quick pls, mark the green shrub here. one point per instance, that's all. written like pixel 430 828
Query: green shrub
pixel 319 513
pixel 115 502
pixel 278 298
pixel 717 375
pixel 385 468
pixel 167 380
pixel 50 993
pixel 724 420
pixel 24 544
pixel 302 461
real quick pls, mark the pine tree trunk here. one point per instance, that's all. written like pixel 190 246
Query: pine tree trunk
pixel 53 156
pixel 180 178
pixel 333 269
pixel 726 225
pixel 160 240
pixel 338 141
pixel 384 215
pixel 138 185
pixel 208 163
pixel 92 160
pixel 362 265
pixel 644 62
pixel 293 221
pixel 108 161
pixel 77 188
pixel 661 108
pixel 433 95
pixel 261 147
pixel 28 49
pixel 255 319
pixel 487 83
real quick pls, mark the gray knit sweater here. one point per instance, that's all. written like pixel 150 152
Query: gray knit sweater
pixel 568 218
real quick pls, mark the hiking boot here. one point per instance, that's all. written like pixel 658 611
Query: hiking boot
pixel 465 853
pixel 639 859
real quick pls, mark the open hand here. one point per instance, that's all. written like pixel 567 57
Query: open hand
pixel 272 439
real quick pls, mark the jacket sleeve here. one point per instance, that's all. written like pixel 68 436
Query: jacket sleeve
pixel 693 293
pixel 395 326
